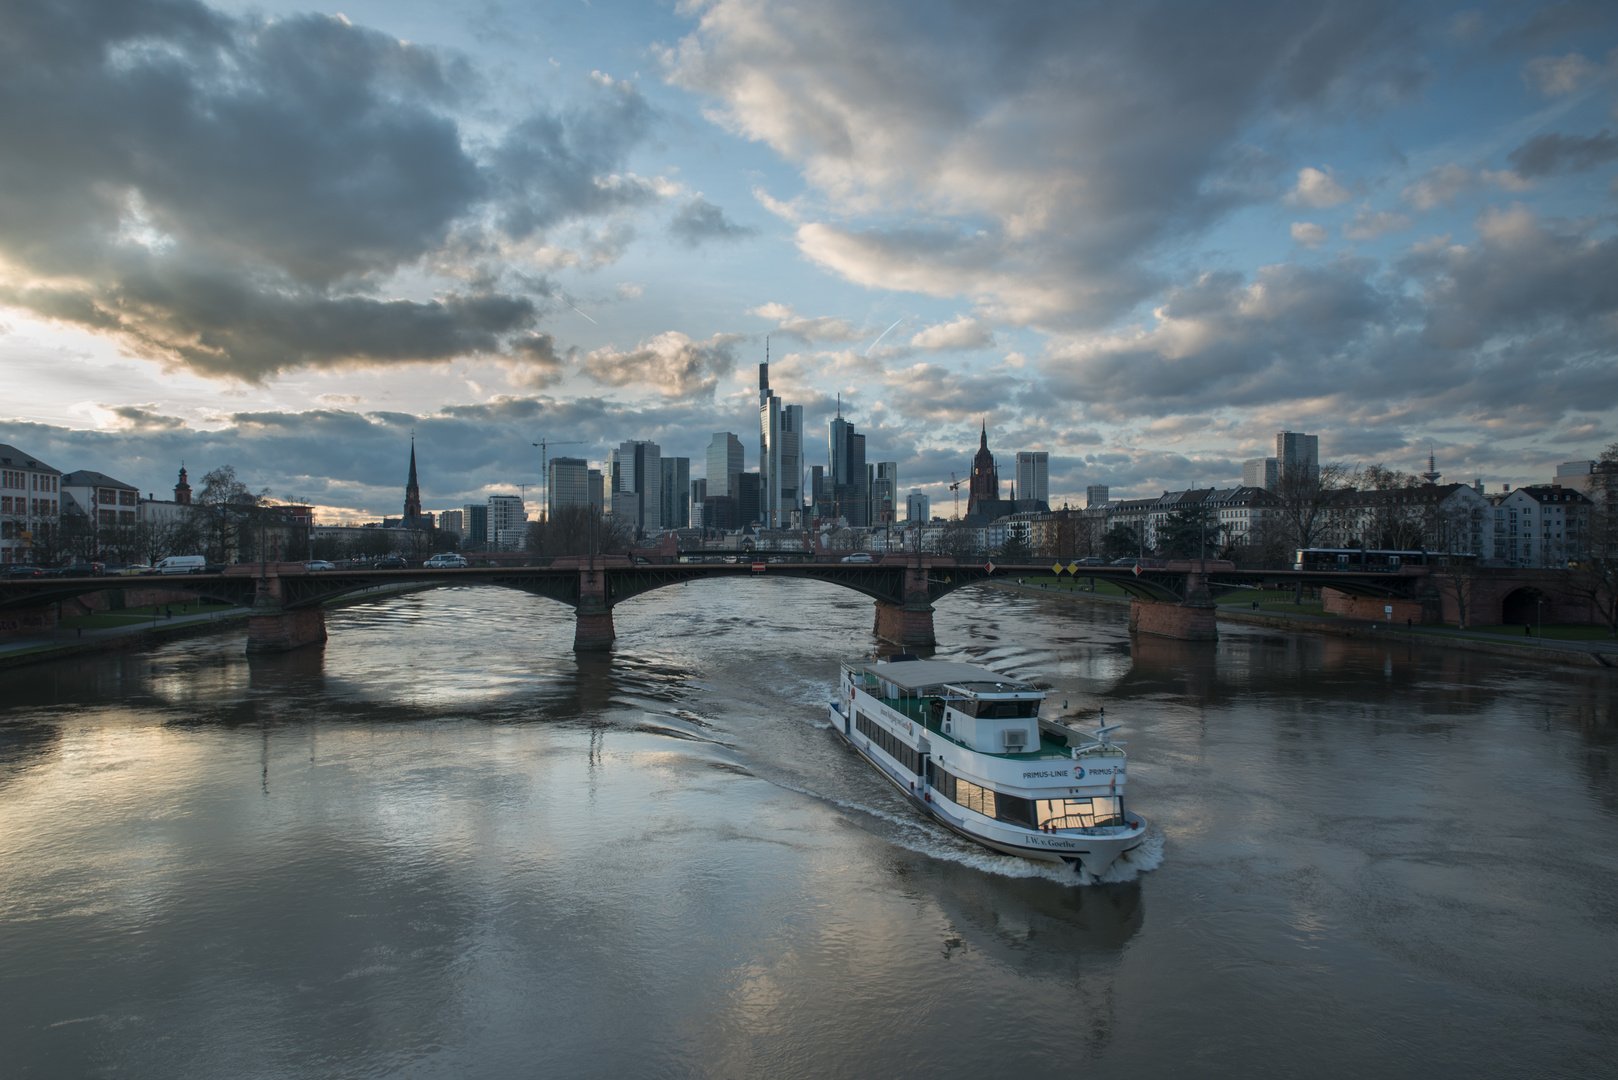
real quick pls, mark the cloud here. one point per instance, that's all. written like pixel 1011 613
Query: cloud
pixel 822 328
pixel 964 332
pixel 1308 234
pixel 1368 224
pixel 1218 339
pixel 700 221
pixel 1032 161
pixel 1553 153
pixel 772 310
pixel 142 418
pixel 1558 76
pixel 670 364
pixel 237 196
pixel 1439 187
pixel 1317 189
pixel 538 364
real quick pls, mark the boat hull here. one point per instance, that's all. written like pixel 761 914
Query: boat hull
pixel 1096 856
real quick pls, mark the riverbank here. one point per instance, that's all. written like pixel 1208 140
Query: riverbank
pixel 1582 654
pixel 70 641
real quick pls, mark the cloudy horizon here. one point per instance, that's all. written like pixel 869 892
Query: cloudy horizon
pixel 1143 239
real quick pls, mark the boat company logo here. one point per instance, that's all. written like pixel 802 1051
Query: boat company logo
pixel 1078 772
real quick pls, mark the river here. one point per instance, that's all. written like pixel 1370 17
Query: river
pixel 444 845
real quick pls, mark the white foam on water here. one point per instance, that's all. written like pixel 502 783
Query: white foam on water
pixel 926 838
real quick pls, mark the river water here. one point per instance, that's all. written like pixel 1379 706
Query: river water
pixel 444 845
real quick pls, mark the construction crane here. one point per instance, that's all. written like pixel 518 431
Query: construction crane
pixel 544 474
pixel 955 488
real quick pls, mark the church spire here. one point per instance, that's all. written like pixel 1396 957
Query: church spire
pixel 412 505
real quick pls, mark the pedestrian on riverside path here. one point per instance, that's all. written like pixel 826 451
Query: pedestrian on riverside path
pixel 1528 629
pixel 168 611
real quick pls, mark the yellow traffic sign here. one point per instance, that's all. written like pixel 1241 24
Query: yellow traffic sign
pixel 1057 569
pixel 1073 567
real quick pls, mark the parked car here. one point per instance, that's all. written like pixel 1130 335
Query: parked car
pixel 319 564
pixel 858 556
pixel 21 570
pixel 445 561
pixel 182 564
pixel 392 562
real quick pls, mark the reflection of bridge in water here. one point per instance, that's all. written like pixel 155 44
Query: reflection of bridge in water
pixel 1173 600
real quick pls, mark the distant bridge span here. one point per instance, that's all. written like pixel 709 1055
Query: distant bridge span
pixel 1172 599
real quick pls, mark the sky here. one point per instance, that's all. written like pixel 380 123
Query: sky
pixel 1141 237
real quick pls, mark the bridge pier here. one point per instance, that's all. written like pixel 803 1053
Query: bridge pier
pixel 1190 621
pixel 593 629
pixel 283 631
pixel 272 628
pixel 905 624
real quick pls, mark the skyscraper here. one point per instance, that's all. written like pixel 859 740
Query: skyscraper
pixel 508 518
pixel 1295 450
pixel 475 522
pixel 637 495
pixel 918 507
pixel 1095 495
pixel 726 459
pixel 845 451
pixel 568 484
pixel 1033 475
pixel 676 493
pixel 699 495
pixel 1261 472
pixel 780 455
pixel 885 493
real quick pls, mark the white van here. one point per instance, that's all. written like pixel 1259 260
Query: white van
pixel 446 561
pixel 182 564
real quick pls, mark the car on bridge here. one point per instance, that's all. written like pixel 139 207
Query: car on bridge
pixel 392 562
pixel 445 561
pixel 20 570
pixel 319 564
pixel 858 556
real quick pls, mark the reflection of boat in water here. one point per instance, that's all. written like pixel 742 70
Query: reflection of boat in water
pixel 968 746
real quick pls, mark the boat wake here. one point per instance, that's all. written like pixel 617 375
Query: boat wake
pixel 925 838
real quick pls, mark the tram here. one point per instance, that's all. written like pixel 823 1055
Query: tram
pixel 1361 560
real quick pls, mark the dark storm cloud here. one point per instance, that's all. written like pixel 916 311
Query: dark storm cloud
pixel 1519 328
pixel 1547 155
pixel 700 220
pixel 1050 149
pixel 230 194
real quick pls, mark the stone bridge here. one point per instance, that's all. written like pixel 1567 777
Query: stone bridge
pixel 1173 599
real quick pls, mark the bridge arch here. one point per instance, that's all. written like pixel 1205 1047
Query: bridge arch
pixel 1523 606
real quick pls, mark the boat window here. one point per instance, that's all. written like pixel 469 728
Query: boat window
pixel 1099 811
pixel 889 743
pixel 986 801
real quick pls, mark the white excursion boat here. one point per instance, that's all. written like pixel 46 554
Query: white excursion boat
pixel 968 746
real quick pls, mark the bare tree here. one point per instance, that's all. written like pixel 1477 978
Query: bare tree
pixel 578 530
pixel 1306 495
pixel 1594 575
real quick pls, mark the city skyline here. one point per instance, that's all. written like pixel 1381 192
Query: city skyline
pixel 580 225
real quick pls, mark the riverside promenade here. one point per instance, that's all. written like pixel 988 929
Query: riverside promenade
pixel 1602 653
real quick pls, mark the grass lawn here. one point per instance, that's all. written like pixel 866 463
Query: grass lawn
pixel 133 616
pixel 1555 632
pixel 1067 583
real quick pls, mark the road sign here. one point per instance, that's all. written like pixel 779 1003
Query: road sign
pixel 1387 609
pixel 1057 569
pixel 989 566
pixel 1137 569
pixel 758 568
pixel 1073 568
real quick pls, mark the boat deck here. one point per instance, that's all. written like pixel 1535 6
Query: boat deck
pixel 916 709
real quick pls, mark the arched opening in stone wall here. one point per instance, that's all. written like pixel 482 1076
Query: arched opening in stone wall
pixel 1523 607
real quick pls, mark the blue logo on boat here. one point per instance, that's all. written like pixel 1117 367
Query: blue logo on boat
pixel 1078 772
